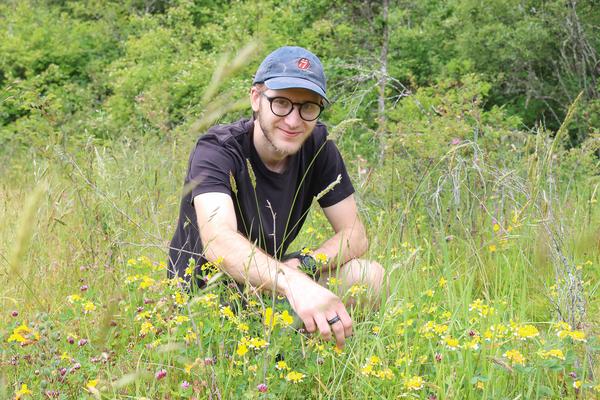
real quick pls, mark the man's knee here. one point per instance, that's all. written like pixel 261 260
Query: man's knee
pixel 358 276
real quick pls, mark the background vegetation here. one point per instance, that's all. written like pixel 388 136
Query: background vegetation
pixel 471 131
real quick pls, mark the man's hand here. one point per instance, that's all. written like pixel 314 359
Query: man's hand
pixel 315 305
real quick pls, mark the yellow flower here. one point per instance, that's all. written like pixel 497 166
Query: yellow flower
pixel 366 369
pixel 180 319
pixel 243 327
pixel 479 385
pixel 285 319
pixel 258 343
pixel 241 349
pixel 181 298
pixel 374 360
pixel 65 356
pixel 294 377
pixel 451 343
pixel 473 344
pixel 527 332
pixel 321 258
pixel 492 248
pixel 227 313
pixel 23 334
pixel 22 392
pixel 73 298
pixel 281 366
pixel 414 383
pixel 332 281
pixel 269 318
pixel 356 290
pixel 385 374
pixel 208 300
pixel 515 357
pixel 92 383
pixel 556 353
pixel 376 330
pixel 496 227
pixel 146 328
pixel 442 282
pixel 440 329
pixel 16 337
pixel 89 307
pixel 429 292
pixel 577 384
pixel 578 336
pixel 146 282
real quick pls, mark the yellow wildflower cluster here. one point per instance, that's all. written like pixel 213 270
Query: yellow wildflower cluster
pixel 208 300
pixel 23 335
pixel 401 328
pixel 23 391
pixel 357 290
pixel 271 320
pixel 295 377
pixel 564 330
pixel 373 367
pixel 144 263
pixel 482 309
pixel 210 268
pixel 246 343
pixel 552 353
pixel 497 331
pixel 524 332
pixel 515 357
pixel 451 343
pixel 413 383
pixel 431 327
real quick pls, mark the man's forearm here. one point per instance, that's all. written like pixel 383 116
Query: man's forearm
pixel 246 263
pixel 344 246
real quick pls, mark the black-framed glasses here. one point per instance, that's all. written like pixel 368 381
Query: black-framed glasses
pixel 282 106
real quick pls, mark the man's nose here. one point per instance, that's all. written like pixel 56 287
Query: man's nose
pixel 294 119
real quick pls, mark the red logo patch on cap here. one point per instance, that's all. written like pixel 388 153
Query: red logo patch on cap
pixel 303 63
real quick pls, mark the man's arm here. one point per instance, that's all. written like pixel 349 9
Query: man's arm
pixel 246 263
pixel 350 239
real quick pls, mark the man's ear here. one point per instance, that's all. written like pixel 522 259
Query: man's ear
pixel 254 98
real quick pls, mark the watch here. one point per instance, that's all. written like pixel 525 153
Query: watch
pixel 308 263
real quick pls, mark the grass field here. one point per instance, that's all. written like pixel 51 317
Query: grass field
pixel 494 287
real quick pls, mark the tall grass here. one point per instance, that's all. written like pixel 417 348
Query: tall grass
pixel 469 231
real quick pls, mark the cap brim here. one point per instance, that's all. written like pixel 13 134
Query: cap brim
pixel 294 83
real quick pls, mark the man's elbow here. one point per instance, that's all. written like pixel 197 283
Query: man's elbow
pixel 361 243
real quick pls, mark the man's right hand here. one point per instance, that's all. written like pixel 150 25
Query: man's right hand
pixel 315 305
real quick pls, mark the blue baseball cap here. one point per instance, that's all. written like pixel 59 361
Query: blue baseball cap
pixel 292 67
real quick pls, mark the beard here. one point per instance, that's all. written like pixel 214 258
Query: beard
pixel 268 132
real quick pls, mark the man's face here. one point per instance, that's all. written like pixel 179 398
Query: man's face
pixel 283 135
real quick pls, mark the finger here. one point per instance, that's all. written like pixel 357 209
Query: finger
pixel 323 326
pixel 345 319
pixel 309 324
pixel 339 332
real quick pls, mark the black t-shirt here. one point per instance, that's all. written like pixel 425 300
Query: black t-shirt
pixel 270 207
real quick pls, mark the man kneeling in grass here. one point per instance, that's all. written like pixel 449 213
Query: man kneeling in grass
pixel 251 186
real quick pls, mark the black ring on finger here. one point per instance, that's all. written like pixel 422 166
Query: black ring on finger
pixel 334 320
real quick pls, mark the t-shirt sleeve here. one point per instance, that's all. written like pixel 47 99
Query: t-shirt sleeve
pixel 210 166
pixel 332 183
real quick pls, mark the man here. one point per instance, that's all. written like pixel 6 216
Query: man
pixel 252 184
